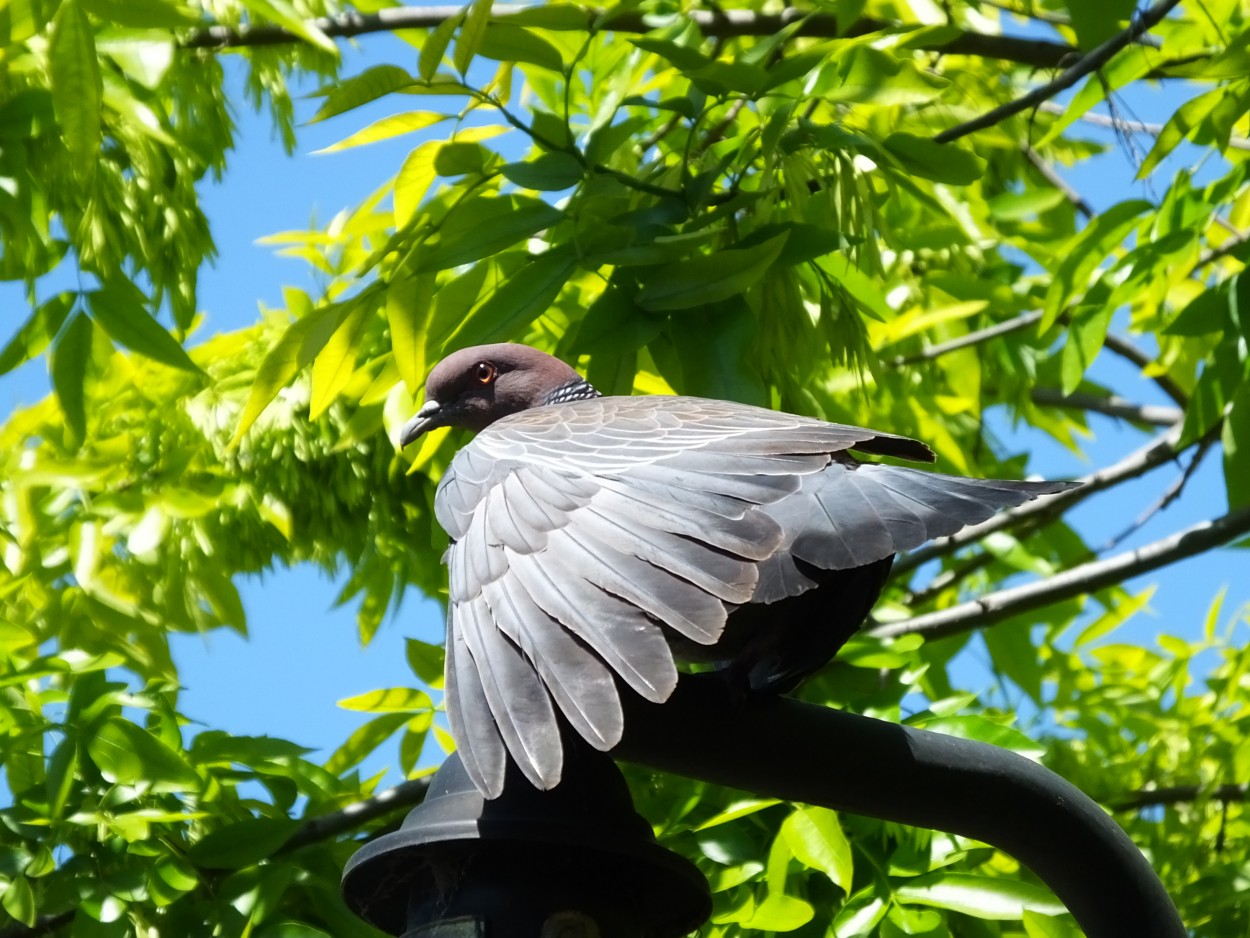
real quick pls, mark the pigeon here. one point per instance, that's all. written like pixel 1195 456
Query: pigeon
pixel 596 540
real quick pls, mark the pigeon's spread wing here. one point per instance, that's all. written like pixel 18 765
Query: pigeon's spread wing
pixel 585 533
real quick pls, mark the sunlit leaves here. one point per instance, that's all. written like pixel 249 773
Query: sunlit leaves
pixel 129 755
pixel 709 278
pixel 76 83
pixel 119 309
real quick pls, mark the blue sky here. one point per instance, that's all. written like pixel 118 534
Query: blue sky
pixel 303 655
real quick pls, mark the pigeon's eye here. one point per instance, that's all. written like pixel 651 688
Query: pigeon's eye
pixel 485 373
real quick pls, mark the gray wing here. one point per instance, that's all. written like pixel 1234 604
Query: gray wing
pixel 585 534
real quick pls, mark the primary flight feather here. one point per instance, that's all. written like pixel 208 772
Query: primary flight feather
pixel 593 538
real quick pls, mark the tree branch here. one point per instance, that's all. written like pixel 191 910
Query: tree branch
pixel 1022 321
pixel 404 795
pixel 1139 357
pixel 1158 451
pixel 1178 794
pixel 1049 173
pixel 1069 77
pixel 1035 53
pixel 1127 126
pixel 1087 578
pixel 1111 406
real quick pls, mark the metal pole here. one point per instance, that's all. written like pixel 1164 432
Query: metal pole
pixel 778 747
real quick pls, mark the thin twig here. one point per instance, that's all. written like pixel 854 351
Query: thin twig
pixel 404 795
pixel 1172 493
pixel 1069 77
pixel 1127 126
pixel 1179 794
pixel 1158 451
pixel 1087 578
pixel 1051 176
pixel 1228 247
pixel 1139 357
pixel 1111 406
pixel 1035 53
pixel 1023 321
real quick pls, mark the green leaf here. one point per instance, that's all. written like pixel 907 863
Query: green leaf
pixel 142 14
pixel 1203 315
pixel 1082 254
pixel 941 162
pixel 983 897
pixel 293 21
pixel 19 901
pixel 334 364
pixel 435 46
pixel 35 334
pixel 242 843
pixel 365 740
pixel 981 729
pixel 780 912
pixel 1086 334
pixel 1017 206
pixel 486 226
pixel 409 303
pixel 1037 925
pixel 866 294
pixel 506 43
pixel 870 76
pixel 548 172
pixel 1096 22
pixel 518 301
pixel 472 32
pixel 614 323
pixel 413 181
pixel 1182 125
pixel 390 700
pixel 369 85
pixel 460 159
pixel 1236 439
pixel 77 88
pixel 291 930
pixel 815 838
pixel 396 125
pixel 120 310
pixel 129 755
pixel 68 363
pixel 1222 375
pixel 709 278
pixel 426 660
pixel 683 57
pixel 298 346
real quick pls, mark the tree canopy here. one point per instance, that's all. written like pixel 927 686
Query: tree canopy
pixel 846 208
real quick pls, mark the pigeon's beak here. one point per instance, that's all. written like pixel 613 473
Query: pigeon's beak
pixel 424 419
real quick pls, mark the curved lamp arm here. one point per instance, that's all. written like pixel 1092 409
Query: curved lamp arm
pixel 816 755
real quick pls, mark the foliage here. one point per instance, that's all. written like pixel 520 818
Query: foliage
pixel 762 216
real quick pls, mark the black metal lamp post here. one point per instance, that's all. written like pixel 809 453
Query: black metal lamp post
pixel 574 862
pixel 525 870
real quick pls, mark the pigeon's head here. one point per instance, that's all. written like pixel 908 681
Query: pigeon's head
pixel 474 387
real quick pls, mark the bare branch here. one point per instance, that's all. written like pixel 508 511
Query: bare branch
pixel 1210 257
pixel 1139 357
pixel 1051 176
pixel 404 795
pixel 1172 494
pixel 1158 451
pixel 1111 406
pixel 1069 77
pixel 1128 126
pixel 1087 578
pixel 1178 794
pixel 1035 53
pixel 1022 321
